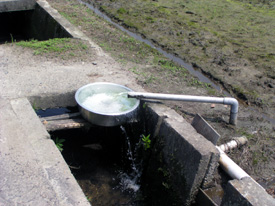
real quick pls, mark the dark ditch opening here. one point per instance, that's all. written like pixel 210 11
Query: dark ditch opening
pixel 13 26
pixel 30 24
pixel 111 164
pixel 104 162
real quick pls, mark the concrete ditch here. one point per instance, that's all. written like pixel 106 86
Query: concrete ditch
pixel 34 172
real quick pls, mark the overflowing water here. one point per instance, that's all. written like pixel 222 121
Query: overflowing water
pixel 104 164
pixel 130 180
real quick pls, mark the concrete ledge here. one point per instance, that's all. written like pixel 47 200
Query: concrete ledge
pixel 186 155
pixel 16 5
pixel 33 172
pixel 246 192
pixel 45 101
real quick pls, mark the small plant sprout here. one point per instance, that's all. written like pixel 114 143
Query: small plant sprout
pixel 58 143
pixel 146 141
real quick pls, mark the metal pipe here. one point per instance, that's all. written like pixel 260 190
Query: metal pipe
pixel 188 98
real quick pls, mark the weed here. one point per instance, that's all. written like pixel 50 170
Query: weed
pixel 146 142
pixel 197 83
pixel 12 40
pixel 149 79
pixel 59 143
pixel 34 106
pixel 166 185
pixel 89 198
pixel 243 132
pixel 134 70
pixel 150 19
pixel 121 11
pixel 211 91
pixel 144 105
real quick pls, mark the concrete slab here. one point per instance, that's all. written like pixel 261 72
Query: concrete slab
pixel 189 157
pixel 33 171
pixel 205 129
pixel 16 5
pixel 246 192
pixel 50 83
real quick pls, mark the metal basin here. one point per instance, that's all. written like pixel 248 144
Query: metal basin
pixel 106 104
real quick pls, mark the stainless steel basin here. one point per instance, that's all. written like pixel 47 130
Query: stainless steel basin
pixel 106 104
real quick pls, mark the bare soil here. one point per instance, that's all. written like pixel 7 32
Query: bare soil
pixel 208 45
pixel 230 41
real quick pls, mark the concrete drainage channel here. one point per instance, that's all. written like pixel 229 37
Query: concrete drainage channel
pixel 173 167
pixel 180 162
pixel 178 168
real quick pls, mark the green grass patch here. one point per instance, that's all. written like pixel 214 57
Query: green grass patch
pixel 57 46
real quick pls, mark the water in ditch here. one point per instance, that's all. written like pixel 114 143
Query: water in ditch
pixel 104 163
pixel 55 111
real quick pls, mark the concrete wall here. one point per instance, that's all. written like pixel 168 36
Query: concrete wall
pixel 180 156
pixel 16 5
pixel 43 26
pixel 28 19
pixel 246 192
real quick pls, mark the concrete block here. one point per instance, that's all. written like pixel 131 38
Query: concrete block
pixel 246 192
pixel 33 172
pixel 186 155
pixel 16 5
pixel 205 129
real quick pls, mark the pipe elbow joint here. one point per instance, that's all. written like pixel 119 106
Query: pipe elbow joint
pixel 233 103
pixel 234 109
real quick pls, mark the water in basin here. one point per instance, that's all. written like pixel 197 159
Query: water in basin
pixel 106 98
pixel 109 102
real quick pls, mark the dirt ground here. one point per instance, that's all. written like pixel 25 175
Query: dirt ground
pixel 155 73
pixel 230 41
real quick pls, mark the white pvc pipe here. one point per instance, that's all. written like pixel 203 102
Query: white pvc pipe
pixel 236 142
pixel 188 98
pixel 230 167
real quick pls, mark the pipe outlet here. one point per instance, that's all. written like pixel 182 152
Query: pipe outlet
pixel 234 109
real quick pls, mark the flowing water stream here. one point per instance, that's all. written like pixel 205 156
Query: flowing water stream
pixel 103 162
pixel 130 180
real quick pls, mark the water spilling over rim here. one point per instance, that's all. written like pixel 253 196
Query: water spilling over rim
pixel 106 99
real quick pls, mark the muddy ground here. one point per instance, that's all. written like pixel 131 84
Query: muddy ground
pixel 230 41
pixel 243 62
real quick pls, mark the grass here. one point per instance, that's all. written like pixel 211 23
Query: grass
pixel 64 48
pixel 245 27
pixel 57 45
pixel 127 49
